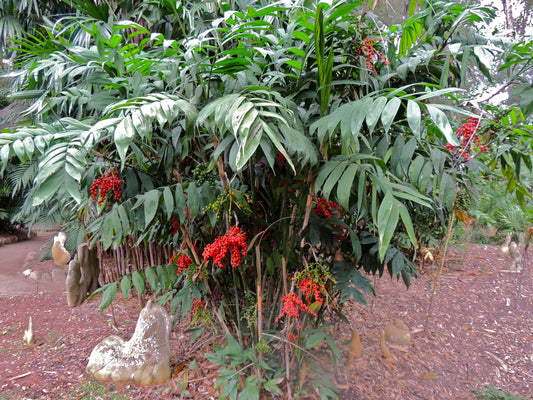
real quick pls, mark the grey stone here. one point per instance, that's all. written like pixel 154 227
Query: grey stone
pixel 144 359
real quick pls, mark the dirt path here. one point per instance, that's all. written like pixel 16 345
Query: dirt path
pixel 478 335
pixel 13 258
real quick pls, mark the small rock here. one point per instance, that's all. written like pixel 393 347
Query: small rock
pixel 27 272
pixel 36 275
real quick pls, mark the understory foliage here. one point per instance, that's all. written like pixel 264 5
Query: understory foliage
pixel 285 152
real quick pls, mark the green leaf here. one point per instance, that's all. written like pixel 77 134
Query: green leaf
pixel 138 281
pixel 4 153
pixel 18 148
pixel 251 389
pixel 344 188
pixel 181 203
pixel 163 277
pixel 413 118
pixel 372 117
pixel 124 133
pixel 193 200
pixel 151 204
pixel 151 278
pixel 46 189
pixel 389 112
pixel 314 339
pixel 441 120
pixel 447 190
pixel 406 219
pixel 125 286
pixel 388 214
pixel 168 201
pixel 110 292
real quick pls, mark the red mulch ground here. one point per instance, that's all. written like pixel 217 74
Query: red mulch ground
pixel 479 333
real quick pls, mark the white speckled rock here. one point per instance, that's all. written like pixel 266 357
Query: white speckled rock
pixel 144 359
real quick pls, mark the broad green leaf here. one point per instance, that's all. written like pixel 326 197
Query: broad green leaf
pixel 151 204
pixel 181 203
pixel 168 201
pixel 73 189
pixel 447 190
pixel 389 112
pixel 4 153
pixel 125 286
pixel 387 220
pixel 106 232
pixel 372 117
pixel 138 281
pixel 249 145
pixel 46 189
pixel 333 179
pixel 193 200
pixel 314 339
pixel 408 223
pixel 29 147
pixel 124 133
pixel 18 148
pixel 416 169
pixel 110 292
pixel 344 188
pixel 251 389
pixel 441 120
pixel 163 277
pixel 151 278
pixel 413 118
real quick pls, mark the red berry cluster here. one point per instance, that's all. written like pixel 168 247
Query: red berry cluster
pixel 324 208
pixel 310 288
pixel 372 56
pixel 106 183
pixel 292 305
pixel 281 159
pixel 175 226
pixel 197 305
pixel 234 240
pixel 183 261
pixel 467 135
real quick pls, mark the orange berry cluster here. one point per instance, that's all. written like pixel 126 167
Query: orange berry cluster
pixel 234 240
pixel 324 208
pixel 106 183
pixel 310 288
pixel 197 305
pixel 372 56
pixel 183 261
pixel 292 304
pixel 467 135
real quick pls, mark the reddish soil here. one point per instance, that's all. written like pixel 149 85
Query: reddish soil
pixel 480 332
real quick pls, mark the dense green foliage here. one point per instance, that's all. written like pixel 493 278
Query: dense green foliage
pixel 309 141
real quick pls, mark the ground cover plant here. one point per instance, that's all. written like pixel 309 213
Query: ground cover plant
pixel 251 165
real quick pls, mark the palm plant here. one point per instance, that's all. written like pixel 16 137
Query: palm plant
pixel 292 137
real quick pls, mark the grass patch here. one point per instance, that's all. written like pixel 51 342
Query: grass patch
pixel 94 390
pixel 489 392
